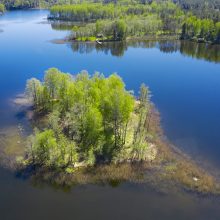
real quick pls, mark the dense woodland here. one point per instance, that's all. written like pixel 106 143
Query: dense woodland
pixel 88 119
pixel 24 4
pixel 201 8
pixel 201 30
pixel 118 22
pixel 204 9
pixel 120 19
pixel 20 4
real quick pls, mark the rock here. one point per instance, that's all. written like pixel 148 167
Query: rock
pixel 195 179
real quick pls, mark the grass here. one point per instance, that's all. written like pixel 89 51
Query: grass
pixel 90 39
pixel 169 170
pixel 176 167
pixel 165 176
pixel 11 146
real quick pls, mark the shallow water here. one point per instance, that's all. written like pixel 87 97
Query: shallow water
pixel 184 78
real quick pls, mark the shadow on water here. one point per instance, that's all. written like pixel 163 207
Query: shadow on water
pixel 202 51
pixel 114 48
pixel 40 178
pixel 20 115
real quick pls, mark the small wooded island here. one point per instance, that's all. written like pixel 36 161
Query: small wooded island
pixel 90 120
pixel 90 129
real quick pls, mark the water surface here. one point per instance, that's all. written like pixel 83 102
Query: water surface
pixel 184 78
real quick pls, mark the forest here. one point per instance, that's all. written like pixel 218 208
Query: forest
pixel 202 8
pixel 24 4
pixel 111 22
pixel 116 22
pixel 89 119
pixel 202 30
pixel 20 4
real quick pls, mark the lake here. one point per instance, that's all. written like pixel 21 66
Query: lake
pixel 184 79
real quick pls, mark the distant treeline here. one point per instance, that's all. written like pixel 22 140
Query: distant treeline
pixel 117 22
pixel 94 11
pixel 204 30
pixel 120 19
pixel 24 4
pixel 202 8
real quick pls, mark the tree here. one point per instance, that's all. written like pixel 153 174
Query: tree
pixel 43 145
pixel 217 32
pixel 87 120
pixel 2 8
pixel 143 108
pixel 117 105
pixel 120 28
pixel 34 91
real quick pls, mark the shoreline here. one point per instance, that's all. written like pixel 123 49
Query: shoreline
pixel 145 38
pixel 134 39
pixel 171 170
pixel 171 167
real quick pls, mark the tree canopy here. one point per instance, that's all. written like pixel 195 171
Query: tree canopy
pixel 118 21
pixel 23 4
pixel 2 8
pixel 89 118
pixel 201 29
pixel 132 19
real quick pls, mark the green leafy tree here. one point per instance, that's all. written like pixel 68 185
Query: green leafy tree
pixel 89 118
pixel 120 28
pixel 143 110
pixel 34 91
pixel 2 8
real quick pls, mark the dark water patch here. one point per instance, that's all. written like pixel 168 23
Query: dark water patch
pixel 20 115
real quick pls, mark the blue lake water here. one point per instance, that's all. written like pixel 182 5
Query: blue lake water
pixel 184 79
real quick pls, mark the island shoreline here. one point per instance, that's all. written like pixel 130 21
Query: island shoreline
pixel 171 167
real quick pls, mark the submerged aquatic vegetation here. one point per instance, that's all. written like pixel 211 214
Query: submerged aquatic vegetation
pixel 109 145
